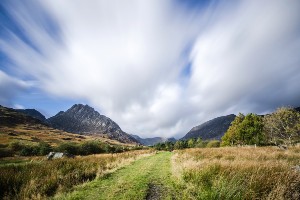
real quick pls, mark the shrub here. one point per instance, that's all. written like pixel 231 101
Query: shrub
pixel 69 147
pixel 29 150
pixel 4 152
pixel 91 147
pixel 44 148
pixel 16 146
pixel 213 143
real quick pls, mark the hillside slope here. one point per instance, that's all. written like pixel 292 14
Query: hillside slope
pixel 212 129
pixel 33 113
pixel 16 126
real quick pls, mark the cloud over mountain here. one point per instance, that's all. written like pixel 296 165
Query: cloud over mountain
pixel 156 67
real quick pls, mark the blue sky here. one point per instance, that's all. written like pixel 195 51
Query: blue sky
pixel 157 68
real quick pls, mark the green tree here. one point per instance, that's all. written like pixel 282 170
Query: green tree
pixel 191 143
pixel 283 124
pixel 245 130
pixel 180 144
pixel 251 130
pixel 213 144
pixel 169 146
pixel 231 137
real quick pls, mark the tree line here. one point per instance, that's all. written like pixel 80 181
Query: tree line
pixel 183 144
pixel 279 127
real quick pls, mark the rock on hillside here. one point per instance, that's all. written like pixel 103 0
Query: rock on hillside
pixel 32 113
pixel 83 119
pixel 152 141
pixel 212 129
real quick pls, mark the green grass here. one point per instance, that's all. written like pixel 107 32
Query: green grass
pixel 13 162
pixel 131 182
pixel 42 179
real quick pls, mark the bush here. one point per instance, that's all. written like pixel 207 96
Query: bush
pixel 91 147
pixel 44 148
pixel 29 150
pixel 69 147
pixel 6 153
pixel 16 146
pixel 213 143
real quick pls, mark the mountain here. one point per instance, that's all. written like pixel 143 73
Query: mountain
pixel 84 120
pixel 10 117
pixel 152 141
pixel 212 129
pixel 16 126
pixel 33 113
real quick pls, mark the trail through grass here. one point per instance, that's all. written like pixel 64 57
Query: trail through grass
pixel 147 178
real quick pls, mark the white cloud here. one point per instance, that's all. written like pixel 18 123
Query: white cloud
pixel 18 106
pixel 248 60
pixel 10 87
pixel 127 57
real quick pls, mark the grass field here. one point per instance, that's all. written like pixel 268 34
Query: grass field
pixel 238 173
pixel 41 179
pixel 146 177
pixel 203 173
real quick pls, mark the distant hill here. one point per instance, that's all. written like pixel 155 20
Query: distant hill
pixel 152 141
pixel 212 129
pixel 16 126
pixel 33 113
pixel 84 120
pixel 10 117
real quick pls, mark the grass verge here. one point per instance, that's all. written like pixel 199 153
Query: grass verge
pixel 145 178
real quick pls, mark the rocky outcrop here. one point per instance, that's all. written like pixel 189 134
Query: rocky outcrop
pixel 83 119
pixel 212 129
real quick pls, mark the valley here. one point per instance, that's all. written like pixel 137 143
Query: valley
pixel 149 100
pixel 107 163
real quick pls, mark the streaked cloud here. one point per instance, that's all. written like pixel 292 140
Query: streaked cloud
pixel 11 87
pixel 160 67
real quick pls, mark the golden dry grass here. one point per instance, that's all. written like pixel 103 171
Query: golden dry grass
pixel 36 133
pixel 41 179
pixel 238 173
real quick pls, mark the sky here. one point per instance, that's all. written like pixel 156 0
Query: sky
pixel 156 67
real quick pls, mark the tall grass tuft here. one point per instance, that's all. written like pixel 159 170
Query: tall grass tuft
pixel 42 179
pixel 238 173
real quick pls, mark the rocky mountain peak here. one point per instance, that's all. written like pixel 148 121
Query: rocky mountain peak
pixel 83 119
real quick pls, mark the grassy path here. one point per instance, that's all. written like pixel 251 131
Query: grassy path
pixel 147 178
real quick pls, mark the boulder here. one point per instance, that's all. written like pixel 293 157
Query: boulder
pixel 55 155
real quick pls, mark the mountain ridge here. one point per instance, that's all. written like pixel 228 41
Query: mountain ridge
pixel 212 129
pixel 32 113
pixel 83 119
